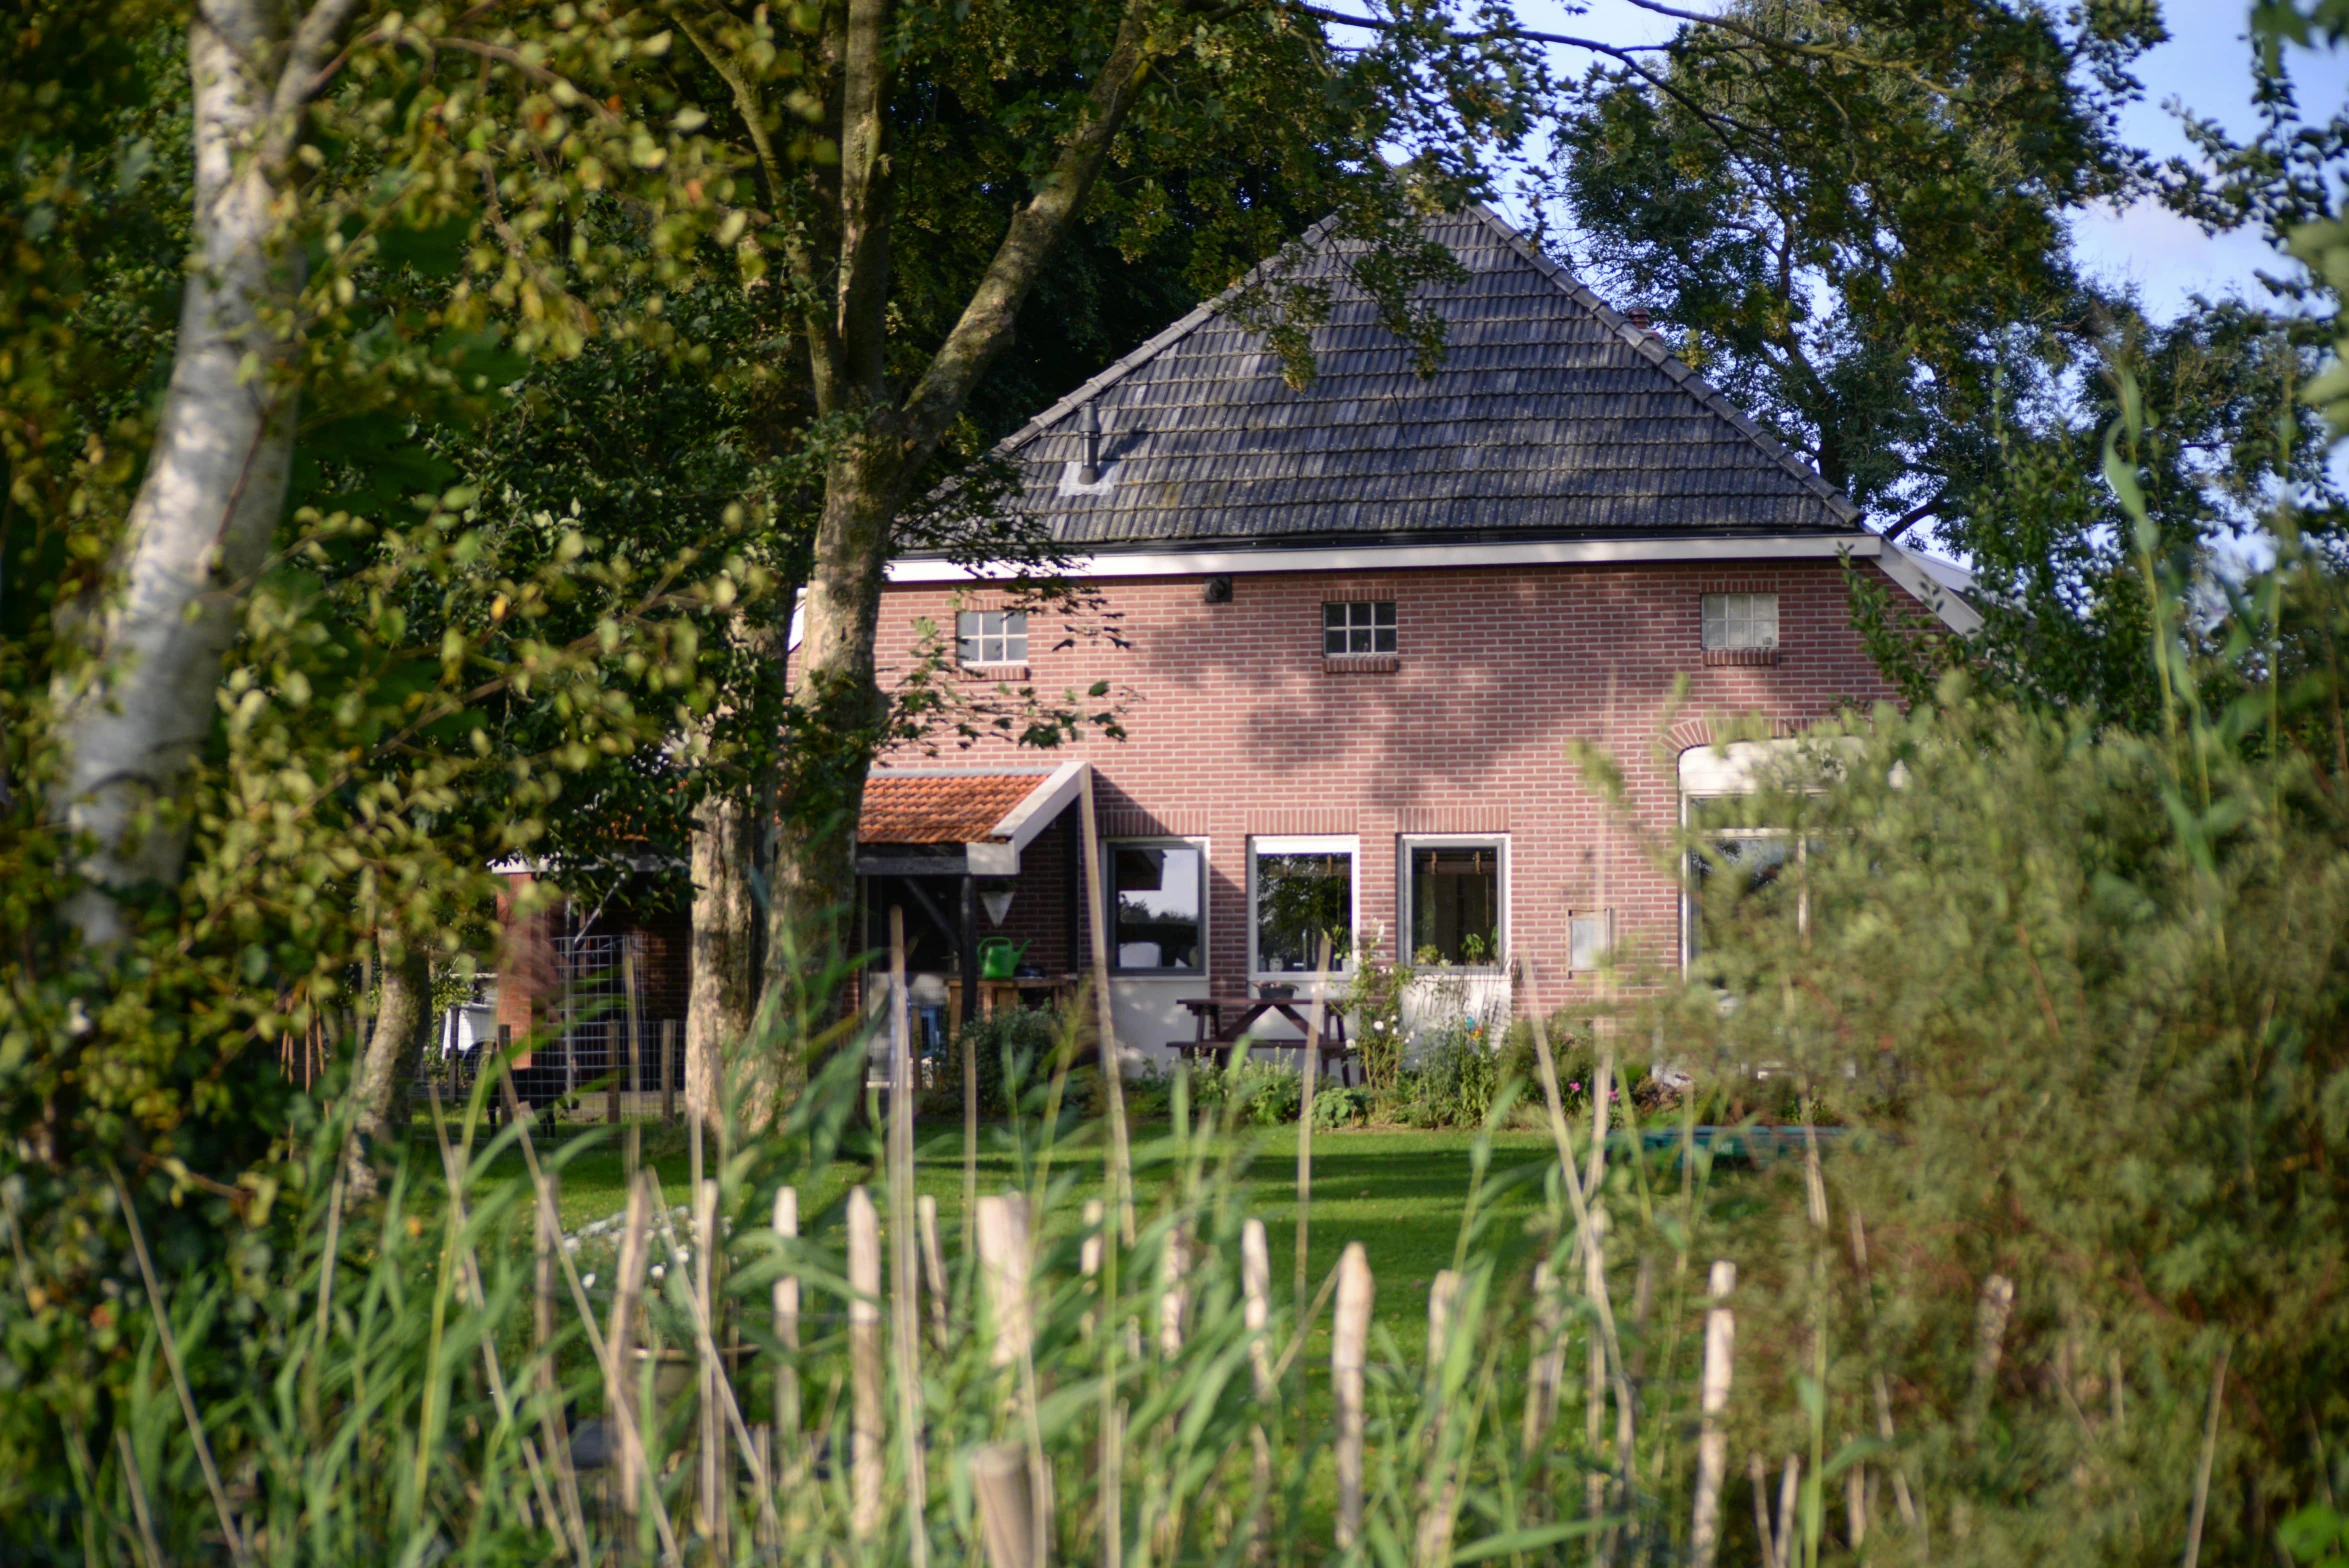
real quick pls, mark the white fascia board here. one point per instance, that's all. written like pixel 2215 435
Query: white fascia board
pixel 1925 586
pixel 1407 557
pixel 1043 805
pixel 1955 614
pixel 998 855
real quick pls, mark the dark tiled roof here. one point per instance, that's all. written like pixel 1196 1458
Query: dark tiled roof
pixel 1551 416
pixel 929 808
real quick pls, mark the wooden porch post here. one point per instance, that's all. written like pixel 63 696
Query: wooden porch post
pixel 969 958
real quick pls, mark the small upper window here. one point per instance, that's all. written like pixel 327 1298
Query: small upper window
pixel 1737 622
pixel 1359 626
pixel 991 636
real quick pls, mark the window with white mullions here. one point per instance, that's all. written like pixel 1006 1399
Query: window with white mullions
pixel 991 636
pixel 1740 622
pixel 1358 626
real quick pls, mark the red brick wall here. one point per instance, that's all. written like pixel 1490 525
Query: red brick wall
pixel 1238 727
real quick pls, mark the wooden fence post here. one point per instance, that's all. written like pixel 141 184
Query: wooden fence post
pixel 933 1266
pixel 1439 1491
pixel 1173 1294
pixel 865 1460
pixel 668 1072
pixel 1004 1265
pixel 1704 1535
pixel 620 1376
pixel 1256 1314
pixel 1089 1253
pixel 999 1477
pixel 786 1308
pixel 1546 1373
pixel 714 1488
pixel 1256 1302
pixel 1349 1346
pixel 629 986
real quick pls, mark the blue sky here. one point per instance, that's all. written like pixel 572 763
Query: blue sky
pixel 2205 66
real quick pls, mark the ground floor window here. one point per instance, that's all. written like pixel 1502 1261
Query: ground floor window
pixel 1300 890
pixel 1745 873
pixel 1158 895
pixel 1737 877
pixel 1455 893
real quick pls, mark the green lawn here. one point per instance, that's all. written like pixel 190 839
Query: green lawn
pixel 1402 1194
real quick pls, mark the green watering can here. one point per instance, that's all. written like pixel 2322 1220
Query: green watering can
pixel 999 959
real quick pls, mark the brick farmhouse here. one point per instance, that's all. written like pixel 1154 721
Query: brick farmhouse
pixel 1357 626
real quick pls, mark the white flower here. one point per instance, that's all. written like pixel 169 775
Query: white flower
pixel 587 1281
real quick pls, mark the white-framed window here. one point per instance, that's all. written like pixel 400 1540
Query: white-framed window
pixel 991 636
pixel 1743 869
pixel 1739 873
pixel 1158 906
pixel 1455 897
pixel 1740 622
pixel 1299 890
pixel 1358 626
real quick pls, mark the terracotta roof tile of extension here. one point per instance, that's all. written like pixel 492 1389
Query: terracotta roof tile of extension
pixel 938 808
pixel 1551 416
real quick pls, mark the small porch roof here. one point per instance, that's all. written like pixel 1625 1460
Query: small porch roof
pixel 960 821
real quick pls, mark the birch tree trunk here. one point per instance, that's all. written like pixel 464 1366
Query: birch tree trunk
pixel 200 525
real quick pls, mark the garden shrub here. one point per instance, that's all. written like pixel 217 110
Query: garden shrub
pixel 1016 1044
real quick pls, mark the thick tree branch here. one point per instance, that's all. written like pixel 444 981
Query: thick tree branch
pixel 1915 515
pixel 862 311
pixel 1036 231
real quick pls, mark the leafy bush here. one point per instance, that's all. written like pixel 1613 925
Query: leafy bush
pixel 1016 1045
pixel 1374 1010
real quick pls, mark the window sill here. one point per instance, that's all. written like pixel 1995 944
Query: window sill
pixel 1740 656
pixel 1360 663
pixel 994 672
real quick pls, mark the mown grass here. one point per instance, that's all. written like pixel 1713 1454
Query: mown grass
pixel 1400 1193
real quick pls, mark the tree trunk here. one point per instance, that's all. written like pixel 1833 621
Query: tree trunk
pixel 717 1008
pixel 388 1065
pixel 842 713
pixel 216 480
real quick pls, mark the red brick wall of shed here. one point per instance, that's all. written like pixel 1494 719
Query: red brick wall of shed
pixel 1237 726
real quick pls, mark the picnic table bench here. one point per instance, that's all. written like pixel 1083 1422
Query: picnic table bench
pixel 1222 1022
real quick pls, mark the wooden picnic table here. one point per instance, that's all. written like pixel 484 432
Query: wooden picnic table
pixel 1223 1022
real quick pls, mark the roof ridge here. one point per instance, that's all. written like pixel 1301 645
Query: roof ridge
pixel 1671 364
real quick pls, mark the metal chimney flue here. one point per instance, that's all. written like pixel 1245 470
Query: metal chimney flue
pixel 1089 422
